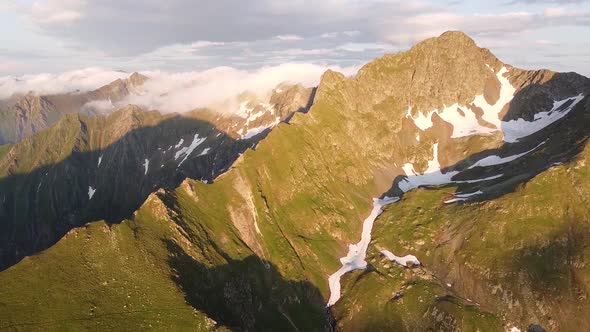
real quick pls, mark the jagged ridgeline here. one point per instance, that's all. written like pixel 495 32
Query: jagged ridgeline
pixel 103 167
pixel 495 237
pixel 22 116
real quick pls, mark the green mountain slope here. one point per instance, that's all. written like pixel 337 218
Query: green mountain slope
pixel 147 272
pixel 91 168
pixel 513 259
pixel 284 214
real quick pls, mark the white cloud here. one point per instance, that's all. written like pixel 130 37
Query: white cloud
pixel 181 92
pixel 352 33
pixel 362 47
pixel 173 92
pixel 330 35
pixel 56 11
pixel 181 35
pixel 289 37
pixel 83 80
pixel 102 106
pixel 205 43
pixel 545 42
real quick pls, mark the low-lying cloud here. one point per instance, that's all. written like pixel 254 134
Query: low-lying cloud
pixel 172 92
pixel 45 84
pixel 181 92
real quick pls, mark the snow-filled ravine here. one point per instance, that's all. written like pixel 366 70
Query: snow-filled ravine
pixel 355 259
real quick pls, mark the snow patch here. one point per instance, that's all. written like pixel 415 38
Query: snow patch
pixel 146 165
pixel 463 119
pixel 204 152
pixel 434 164
pixel 491 112
pixel 403 261
pixel 496 160
pixel 462 197
pixel 244 110
pixel 99 161
pixel 516 129
pixel 254 116
pixel 187 150
pixel 432 176
pixel 91 192
pixel 270 108
pixel 421 121
pixel 253 132
pixel 179 143
pixel 258 130
pixel 355 259
pixel 409 169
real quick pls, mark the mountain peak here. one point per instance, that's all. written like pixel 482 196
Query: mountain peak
pixel 454 42
pixel 456 36
pixel 137 79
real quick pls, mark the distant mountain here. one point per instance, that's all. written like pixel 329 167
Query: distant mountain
pixel 22 116
pixel 103 167
pixel 437 190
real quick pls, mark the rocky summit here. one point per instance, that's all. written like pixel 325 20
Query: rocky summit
pixel 438 189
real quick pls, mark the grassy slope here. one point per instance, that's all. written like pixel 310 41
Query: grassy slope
pixel 99 277
pixel 160 270
pixel 282 186
pixel 522 257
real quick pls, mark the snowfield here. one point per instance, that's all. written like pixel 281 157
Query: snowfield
pixel 465 122
pixel 403 261
pixel 463 119
pixel 146 166
pixel 516 129
pixel 91 192
pixel 187 150
pixel 355 259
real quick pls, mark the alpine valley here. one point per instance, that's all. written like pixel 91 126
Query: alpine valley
pixel 438 189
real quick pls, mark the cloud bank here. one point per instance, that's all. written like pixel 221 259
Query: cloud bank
pixel 172 92
pixel 71 81
pixel 175 35
pixel 181 92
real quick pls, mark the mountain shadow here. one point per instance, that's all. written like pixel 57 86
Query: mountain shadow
pixel 249 295
pixel 85 178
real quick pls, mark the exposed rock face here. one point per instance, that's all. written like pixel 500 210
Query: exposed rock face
pixel 253 116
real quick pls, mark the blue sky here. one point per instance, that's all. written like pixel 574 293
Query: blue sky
pixel 55 36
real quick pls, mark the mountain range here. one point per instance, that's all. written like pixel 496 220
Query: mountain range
pixel 439 189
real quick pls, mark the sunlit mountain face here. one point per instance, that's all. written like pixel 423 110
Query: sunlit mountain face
pixel 257 166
